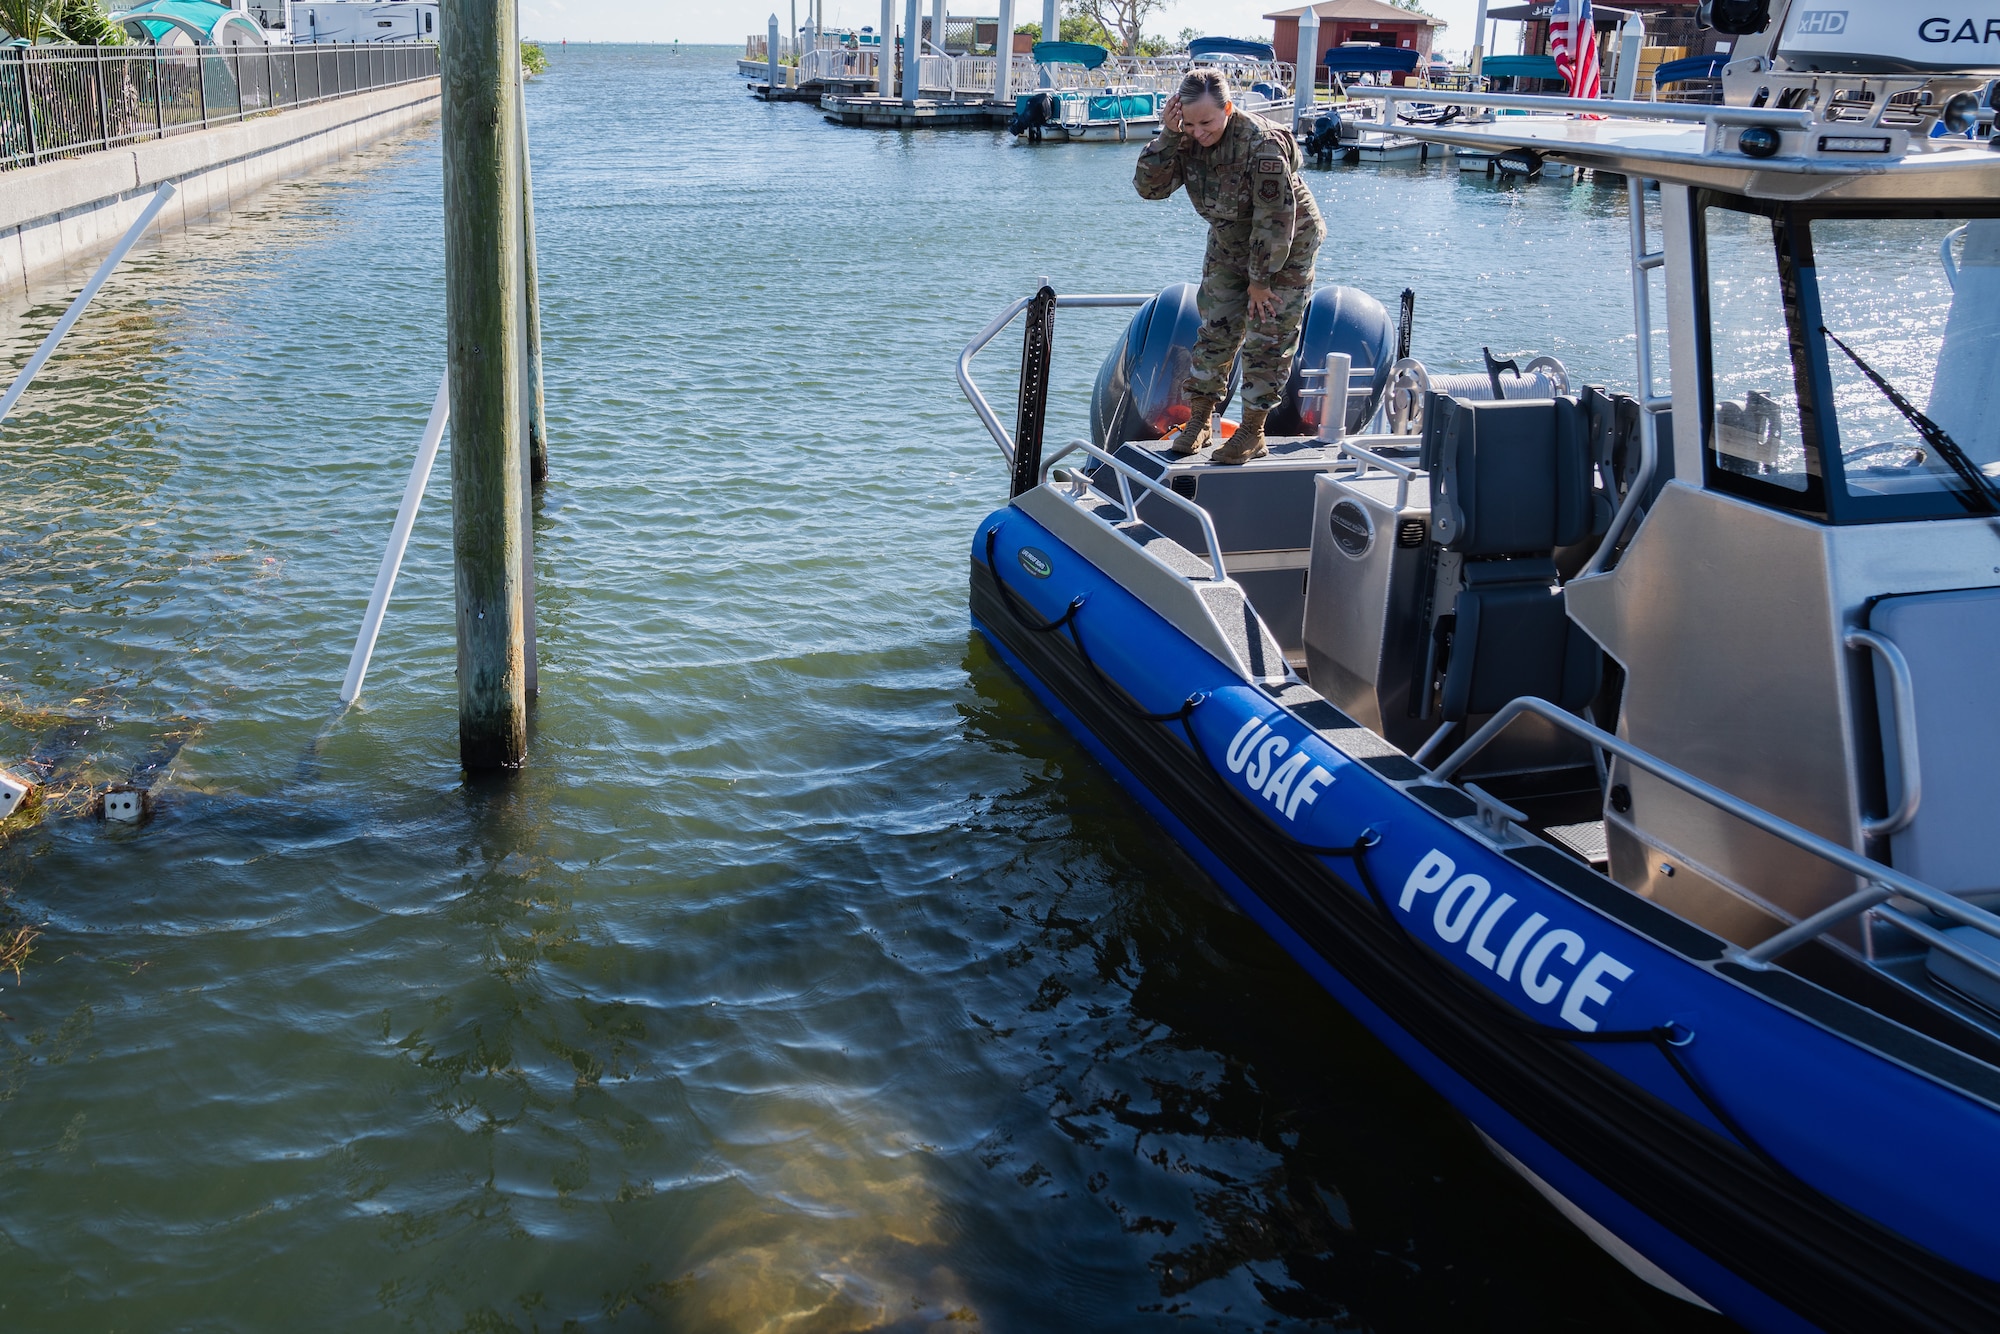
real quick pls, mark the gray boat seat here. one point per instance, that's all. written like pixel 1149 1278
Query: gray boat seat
pixel 1511 482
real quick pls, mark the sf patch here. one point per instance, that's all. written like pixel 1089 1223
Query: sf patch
pixel 1269 191
pixel 1266 166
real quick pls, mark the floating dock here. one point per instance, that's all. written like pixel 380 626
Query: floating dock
pixel 893 113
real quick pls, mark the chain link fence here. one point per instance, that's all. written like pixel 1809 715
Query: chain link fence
pixel 58 102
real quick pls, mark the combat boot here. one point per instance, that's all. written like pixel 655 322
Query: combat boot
pixel 1248 442
pixel 1199 432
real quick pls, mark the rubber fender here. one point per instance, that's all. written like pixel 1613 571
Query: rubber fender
pixel 1338 319
pixel 1140 393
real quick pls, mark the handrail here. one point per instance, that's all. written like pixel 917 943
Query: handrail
pixel 1884 881
pixel 972 349
pixel 1691 112
pixel 1644 261
pixel 1403 473
pixel 1903 691
pixel 1128 474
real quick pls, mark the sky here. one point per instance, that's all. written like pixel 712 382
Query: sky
pixel 730 20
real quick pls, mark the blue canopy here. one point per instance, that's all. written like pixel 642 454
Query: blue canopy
pixel 1087 54
pixel 1691 67
pixel 1520 67
pixel 1230 46
pixel 1366 58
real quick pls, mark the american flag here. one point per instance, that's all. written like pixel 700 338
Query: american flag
pixel 1573 42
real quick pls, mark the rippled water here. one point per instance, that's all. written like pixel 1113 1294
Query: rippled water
pixel 809 978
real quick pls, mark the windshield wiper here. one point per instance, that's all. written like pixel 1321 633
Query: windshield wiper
pixel 1934 435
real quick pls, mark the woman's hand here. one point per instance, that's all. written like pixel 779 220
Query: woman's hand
pixel 1170 114
pixel 1263 302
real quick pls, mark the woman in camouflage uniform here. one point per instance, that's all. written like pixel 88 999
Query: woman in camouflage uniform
pixel 1242 175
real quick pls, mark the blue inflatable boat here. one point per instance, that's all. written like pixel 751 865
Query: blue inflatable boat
pixel 1622 760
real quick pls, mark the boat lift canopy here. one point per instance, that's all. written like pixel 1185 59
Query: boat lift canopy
pixel 1230 46
pixel 1367 58
pixel 1087 54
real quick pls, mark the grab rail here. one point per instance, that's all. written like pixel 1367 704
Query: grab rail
pixel 1403 473
pixel 1903 693
pixel 992 331
pixel 1883 882
pixel 1127 474
pixel 1697 113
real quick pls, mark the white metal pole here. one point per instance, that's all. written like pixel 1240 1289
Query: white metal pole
pixel 771 59
pixel 1051 32
pixel 1478 44
pixel 1003 54
pixel 885 62
pixel 1631 37
pixel 1305 68
pixel 913 51
pixel 399 542
pixel 795 30
pixel 76 307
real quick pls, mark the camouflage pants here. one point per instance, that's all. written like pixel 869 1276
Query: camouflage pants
pixel 1226 326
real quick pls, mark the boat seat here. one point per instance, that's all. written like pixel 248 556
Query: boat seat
pixel 1511 482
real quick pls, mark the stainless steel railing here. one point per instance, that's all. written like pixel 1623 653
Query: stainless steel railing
pixel 1127 474
pixel 987 417
pixel 1881 883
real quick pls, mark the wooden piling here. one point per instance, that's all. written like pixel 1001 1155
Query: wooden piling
pixel 480 62
pixel 534 445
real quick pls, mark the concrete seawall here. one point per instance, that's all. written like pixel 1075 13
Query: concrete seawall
pixel 70 212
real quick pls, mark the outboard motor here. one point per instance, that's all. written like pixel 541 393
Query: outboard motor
pixel 1032 111
pixel 1324 141
pixel 1338 319
pixel 1141 393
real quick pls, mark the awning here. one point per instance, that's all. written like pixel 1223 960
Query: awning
pixel 1367 59
pixel 1087 54
pixel 1230 46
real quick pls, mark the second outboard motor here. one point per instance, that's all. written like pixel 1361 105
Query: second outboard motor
pixel 1032 111
pixel 1339 319
pixel 1324 141
pixel 1141 393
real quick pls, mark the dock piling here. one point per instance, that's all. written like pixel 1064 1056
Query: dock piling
pixel 1003 53
pixel 482 215
pixel 1051 32
pixel 1305 76
pixel 885 61
pixel 771 59
pixel 913 51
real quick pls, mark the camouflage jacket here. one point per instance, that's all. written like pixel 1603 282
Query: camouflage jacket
pixel 1247 187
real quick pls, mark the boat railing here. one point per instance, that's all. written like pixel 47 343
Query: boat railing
pixel 1127 475
pixel 1880 883
pixel 1696 113
pixel 987 417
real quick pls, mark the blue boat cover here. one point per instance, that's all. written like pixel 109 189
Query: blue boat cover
pixel 1230 46
pixel 1370 60
pixel 1520 67
pixel 1127 106
pixel 1690 67
pixel 1087 54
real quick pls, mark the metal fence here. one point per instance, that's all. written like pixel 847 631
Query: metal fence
pixel 58 102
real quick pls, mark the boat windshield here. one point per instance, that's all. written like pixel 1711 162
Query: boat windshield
pixel 1852 360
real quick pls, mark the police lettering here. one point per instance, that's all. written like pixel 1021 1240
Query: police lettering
pixel 1462 915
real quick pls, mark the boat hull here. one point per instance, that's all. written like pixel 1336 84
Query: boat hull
pixel 1610 1127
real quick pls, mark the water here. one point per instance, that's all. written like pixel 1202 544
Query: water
pixel 810 978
